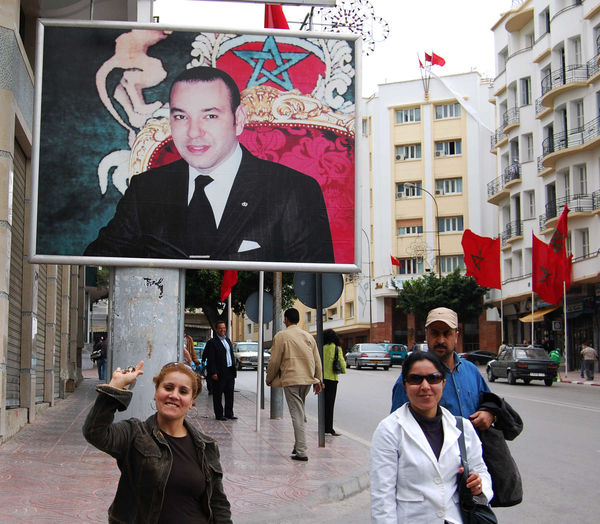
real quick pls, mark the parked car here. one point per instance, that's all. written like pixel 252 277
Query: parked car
pixel 246 355
pixel 397 352
pixel 372 355
pixel 523 362
pixel 421 346
pixel 479 356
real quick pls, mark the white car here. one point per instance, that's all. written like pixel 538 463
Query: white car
pixel 246 355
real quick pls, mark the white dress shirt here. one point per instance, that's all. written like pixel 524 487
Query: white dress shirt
pixel 218 190
pixel 227 350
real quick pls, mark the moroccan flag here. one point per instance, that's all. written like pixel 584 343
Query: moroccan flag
pixel 437 60
pixel 420 63
pixel 482 259
pixel 427 57
pixel 549 271
pixel 396 261
pixel 274 17
pixel 230 279
pixel 558 242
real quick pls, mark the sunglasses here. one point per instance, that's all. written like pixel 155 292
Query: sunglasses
pixel 433 378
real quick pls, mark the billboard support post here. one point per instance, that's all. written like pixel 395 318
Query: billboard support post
pixel 319 299
pixel 277 393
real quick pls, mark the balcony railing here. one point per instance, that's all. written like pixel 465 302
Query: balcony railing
pixel 497 137
pixel 572 138
pixel 571 74
pixel 580 203
pixel 540 163
pixel 510 173
pixel 539 108
pixel 513 229
pixel 512 116
pixel 592 65
pixel 596 199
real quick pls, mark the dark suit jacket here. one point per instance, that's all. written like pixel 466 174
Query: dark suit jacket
pixel 279 212
pixel 216 360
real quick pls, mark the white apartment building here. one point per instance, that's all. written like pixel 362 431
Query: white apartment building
pixel 547 147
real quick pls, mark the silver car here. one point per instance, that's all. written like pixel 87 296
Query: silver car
pixel 246 355
pixel 372 355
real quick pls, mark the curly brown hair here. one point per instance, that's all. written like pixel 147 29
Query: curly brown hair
pixel 182 368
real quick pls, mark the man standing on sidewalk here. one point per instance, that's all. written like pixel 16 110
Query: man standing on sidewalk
pixel 220 365
pixel 295 365
pixel 589 356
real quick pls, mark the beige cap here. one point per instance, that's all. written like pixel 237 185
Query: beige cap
pixel 442 314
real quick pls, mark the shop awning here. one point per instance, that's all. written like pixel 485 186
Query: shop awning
pixel 538 315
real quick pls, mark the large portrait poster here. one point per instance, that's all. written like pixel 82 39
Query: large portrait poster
pixel 186 148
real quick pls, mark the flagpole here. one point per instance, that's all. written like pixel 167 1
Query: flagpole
pixel 229 318
pixel 565 321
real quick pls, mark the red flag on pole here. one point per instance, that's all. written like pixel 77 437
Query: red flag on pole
pixel 230 279
pixel 420 63
pixel 274 17
pixel 549 271
pixel 437 60
pixel 482 259
pixel 395 261
pixel 427 57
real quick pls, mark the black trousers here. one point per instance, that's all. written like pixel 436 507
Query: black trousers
pixel 223 387
pixel 330 391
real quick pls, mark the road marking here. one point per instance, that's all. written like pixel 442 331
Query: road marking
pixel 557 403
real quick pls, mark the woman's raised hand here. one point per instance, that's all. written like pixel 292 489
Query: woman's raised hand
pixel 121 378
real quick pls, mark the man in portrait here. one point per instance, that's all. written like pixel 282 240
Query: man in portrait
pixel 218 202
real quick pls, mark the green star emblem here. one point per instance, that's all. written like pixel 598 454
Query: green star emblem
pixel 477 260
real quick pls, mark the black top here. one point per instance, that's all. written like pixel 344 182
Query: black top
pixel 185 486
pixel 432 427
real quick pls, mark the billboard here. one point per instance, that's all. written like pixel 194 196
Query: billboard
pixel 173 147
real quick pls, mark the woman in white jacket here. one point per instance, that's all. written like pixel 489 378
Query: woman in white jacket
pixel 415 456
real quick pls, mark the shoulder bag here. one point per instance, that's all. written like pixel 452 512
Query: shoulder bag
pixel 473 512
pixel 337 366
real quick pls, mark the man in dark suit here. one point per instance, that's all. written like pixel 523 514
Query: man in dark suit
pixel 219 201
pixel 220 365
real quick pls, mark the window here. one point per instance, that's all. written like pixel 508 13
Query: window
pixel 410 266
pixel 502 58
pixel 544 20
pixel 308 316
pixel 249 328
pixel 581 179
pixel 529 204
pixel 566 183
pixel 409 227
pixel 448 186
pixel 365 127
pixel 408 152
pixel 449 264
pixel 349 309
pixel 525 91
pixel 584 238
pixel 450 224
pixel 332 313
pixel 447 111
pixel 448 148
pixel 404 190
pixel 577 115
pixel 576 51
pixel 527 146
pixel 406 116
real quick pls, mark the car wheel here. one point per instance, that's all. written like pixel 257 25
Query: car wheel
pixel 239 366
pixel 526 380
pixel 385 368
pixel 490 375
pixel 358 366
pixel 511 378
pixel 548 381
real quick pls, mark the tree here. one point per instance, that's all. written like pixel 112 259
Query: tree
pixel 203 290
pixel 454 291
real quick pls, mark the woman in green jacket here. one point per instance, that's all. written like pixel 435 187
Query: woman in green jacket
pixel 331 346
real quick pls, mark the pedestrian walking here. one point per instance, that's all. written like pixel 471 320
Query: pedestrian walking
pixel 170 472
pixel 295 365
pixel 102 347
pixel 416 455
pixel 333 364
pixel 589 355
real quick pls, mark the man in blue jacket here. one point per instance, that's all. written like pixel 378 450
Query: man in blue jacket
pixel 464 384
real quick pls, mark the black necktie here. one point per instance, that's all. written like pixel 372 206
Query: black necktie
pixel 201 228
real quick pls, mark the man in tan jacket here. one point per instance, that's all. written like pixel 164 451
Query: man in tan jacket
pixel 295 365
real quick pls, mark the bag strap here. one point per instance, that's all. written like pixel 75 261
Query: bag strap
pixel 336 357
pixel 461 445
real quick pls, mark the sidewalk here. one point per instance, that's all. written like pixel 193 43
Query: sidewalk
pixel 49 473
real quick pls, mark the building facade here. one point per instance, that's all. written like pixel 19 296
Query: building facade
pixel 547 146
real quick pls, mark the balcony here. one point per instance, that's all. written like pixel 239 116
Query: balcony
pixel 511 119
pixel 562 80
pixel 541 170
pixel 596 200
pixel 541 110
pixel 567 142
pixel 497 189
pixel 496 139
pixel 593 67
pixel 580 203
pixel 513 231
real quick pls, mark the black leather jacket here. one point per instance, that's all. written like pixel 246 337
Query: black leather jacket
pixel 145 460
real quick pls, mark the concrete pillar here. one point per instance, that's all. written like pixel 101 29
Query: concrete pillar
pixel 72 334
pixel 277 393
pixel 65 304
pixel 49 349
pixel 146 311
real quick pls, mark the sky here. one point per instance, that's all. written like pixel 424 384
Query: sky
pixel 459 31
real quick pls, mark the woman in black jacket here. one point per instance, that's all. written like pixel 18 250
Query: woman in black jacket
pixel 170 472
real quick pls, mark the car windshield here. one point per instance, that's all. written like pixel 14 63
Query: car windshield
pixel 247 348
pixel 370 347
pixel 531 353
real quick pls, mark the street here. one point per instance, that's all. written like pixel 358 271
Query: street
pixel 558 453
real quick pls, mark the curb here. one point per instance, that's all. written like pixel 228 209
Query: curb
pixel 582 382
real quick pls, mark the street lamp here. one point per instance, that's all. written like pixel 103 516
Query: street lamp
pixel 437 224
